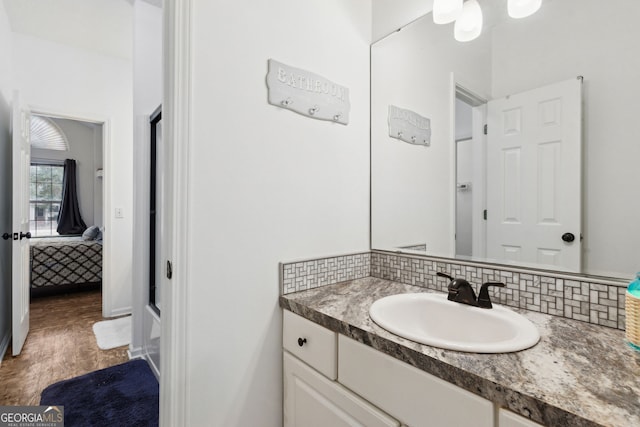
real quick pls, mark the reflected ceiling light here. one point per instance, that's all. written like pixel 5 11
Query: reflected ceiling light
pixel 445 11
pixel 523 8
pixel 468 26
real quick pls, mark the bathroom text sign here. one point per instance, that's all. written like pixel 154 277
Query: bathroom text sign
pixel 408 126
pixel 307 93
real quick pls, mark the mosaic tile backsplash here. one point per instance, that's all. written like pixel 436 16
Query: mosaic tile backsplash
pixel 598 303
pixel 303 275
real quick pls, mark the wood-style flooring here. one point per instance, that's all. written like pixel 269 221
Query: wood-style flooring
pixel 60 345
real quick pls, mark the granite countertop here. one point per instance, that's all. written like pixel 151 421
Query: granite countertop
pixel 579 374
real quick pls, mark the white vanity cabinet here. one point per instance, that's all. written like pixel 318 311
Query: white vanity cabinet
pixel 311 398
pixel 333 381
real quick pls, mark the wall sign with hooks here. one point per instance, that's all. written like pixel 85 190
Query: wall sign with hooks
pixel 408 126
pixel 307 93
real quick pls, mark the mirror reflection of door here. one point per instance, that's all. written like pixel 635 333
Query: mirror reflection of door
pixel 533 176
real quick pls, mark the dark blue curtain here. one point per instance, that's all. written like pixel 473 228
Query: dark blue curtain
pixel 69 219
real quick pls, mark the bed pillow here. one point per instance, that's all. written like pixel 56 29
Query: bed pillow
pixel 90 233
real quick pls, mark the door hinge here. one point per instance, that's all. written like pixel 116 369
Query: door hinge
pixel 169 270
pixel 485 129
pixel 484 215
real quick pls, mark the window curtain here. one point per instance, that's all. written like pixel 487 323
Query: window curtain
pixel 69 219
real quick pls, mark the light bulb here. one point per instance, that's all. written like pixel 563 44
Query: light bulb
pixel 445 11
pixel 469 25
pixel 523 8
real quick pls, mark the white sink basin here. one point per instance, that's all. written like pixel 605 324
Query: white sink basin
pixel 433 320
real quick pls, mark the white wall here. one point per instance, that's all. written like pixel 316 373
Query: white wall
pixel 576 43
pixel 5 180
pixel 266 185
pixel 82 140
pixel 412 74
pixel 83 84
pixel 463 120
pixel 390 15
pixel 147 96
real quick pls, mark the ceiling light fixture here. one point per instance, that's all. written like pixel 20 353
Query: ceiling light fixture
pixel 468 15
pixel 446 11
pixel 523 8
pixel 469 25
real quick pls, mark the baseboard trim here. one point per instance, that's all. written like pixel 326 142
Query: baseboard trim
pixel 120 312
pixel 155 369
pixel 136 353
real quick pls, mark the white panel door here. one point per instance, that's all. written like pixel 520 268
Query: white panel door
pixel 20 223
pixel 534 198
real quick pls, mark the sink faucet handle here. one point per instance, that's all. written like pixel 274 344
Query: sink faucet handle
pixel 483 298
pixel 445 275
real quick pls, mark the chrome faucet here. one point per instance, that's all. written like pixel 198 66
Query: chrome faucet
pixel 461 291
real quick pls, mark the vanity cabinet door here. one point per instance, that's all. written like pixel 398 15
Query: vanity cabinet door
pixel 509 419
pixel 413 396
pixel 311 400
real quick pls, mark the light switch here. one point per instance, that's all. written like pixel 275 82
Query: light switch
pixel 119 213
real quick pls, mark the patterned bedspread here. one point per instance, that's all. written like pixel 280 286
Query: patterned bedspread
pixel 67 260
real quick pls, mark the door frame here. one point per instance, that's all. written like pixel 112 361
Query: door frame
pixel 461 89
pixel 106 192
pixel 176 117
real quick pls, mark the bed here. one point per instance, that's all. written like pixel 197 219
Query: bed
pixel 61 264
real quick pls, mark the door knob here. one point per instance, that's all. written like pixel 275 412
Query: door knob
pixel 23 235
pixel 6 236
pixel 568 237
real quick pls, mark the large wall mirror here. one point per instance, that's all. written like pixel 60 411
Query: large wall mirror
pixel 552 182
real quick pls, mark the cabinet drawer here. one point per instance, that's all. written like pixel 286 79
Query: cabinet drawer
pixel 408 394
pixel 319 345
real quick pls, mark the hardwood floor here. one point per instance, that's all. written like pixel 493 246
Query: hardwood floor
pixel 60 345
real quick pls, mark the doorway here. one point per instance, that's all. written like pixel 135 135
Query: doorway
pixel 64 260
pixel 470 189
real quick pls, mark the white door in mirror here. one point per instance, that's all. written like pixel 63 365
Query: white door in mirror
pixel 534 177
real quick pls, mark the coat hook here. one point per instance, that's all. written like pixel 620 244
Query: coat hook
pixel 413 139
pixel 314 110
pixel 286 102
pixel 399 134
pixel 337 117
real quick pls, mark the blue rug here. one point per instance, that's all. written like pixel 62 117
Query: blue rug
pixel 122 395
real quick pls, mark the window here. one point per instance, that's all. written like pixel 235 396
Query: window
pixel 45 134
pixel 45 196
